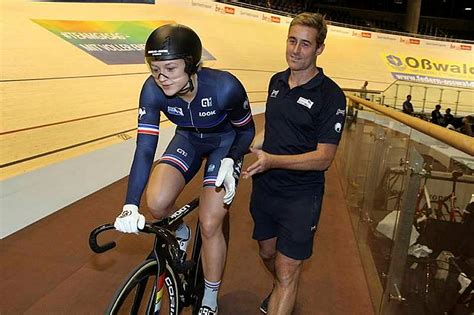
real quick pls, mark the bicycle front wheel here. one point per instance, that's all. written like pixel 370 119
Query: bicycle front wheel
pixel 144 292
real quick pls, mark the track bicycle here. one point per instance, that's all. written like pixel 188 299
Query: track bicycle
pixel 445 207
pixel 165 282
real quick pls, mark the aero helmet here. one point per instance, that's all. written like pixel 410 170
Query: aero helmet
pixel 174 41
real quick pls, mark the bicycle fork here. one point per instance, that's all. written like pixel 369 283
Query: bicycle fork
pixel 163 279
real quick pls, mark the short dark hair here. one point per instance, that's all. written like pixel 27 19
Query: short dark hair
pixel 313 20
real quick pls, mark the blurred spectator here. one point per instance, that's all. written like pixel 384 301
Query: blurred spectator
pixel 408 106
pixel 363 92
pixel 464 125
pixel 436 116
pixel 448 117
pixel 468 127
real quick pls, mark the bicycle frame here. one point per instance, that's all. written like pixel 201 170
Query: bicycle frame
pixel 166 254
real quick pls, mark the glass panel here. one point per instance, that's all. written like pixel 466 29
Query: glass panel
pixel 466 98
pixel 418 98
pixel 407 194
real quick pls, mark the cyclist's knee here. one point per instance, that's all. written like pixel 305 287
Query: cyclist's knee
pixel 159 207
pixel 210 228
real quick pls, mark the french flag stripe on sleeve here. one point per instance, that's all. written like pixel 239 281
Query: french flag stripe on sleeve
pixel 148 129
pixel 243 121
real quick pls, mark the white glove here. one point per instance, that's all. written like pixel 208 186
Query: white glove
pixel 226 176
pixel 129 220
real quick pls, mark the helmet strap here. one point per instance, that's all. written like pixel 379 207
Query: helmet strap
pixel 189 87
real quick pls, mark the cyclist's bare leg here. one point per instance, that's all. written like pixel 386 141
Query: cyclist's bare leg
pixel 164 186
pixel 214 248
pixel 268 253
pixel 282 300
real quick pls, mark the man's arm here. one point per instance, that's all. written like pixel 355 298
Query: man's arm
pixel 258 140
pixel 320 159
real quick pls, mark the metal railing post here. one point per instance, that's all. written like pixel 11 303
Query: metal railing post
pixel 401 241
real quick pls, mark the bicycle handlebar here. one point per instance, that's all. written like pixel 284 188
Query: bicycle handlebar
pixel 149 228
pixel 96 248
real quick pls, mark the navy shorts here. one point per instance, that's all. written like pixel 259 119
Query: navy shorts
pixel 292 219
pixel 188 149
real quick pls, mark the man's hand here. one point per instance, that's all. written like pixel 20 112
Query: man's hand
pixel 130 220
pixel 226 176
pixel 262 164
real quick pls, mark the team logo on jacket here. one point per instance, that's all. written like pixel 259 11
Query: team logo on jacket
pixel 206 102
pixel 305 102
pixel 175 111
pixel 141 113
pixel 246 103
pixel 274 93
pixel 338 127
pixel 207 114
pixel 340 112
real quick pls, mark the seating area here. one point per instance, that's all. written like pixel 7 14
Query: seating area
pixel 345 16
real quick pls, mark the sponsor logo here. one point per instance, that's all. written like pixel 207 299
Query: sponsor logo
pixel 338 127
pixel 158 52
pixel 207 114
pixel 274 93
pixel 336 29
pixel 171 293
pixel 211 168
pixel 202 5
pixel 305 102
pixel 313 228
pixel 225 10
pixel 175 111
pixel 460 47
pixel 362 34
pixel 141 113
pixel 340 112
pixel 433 80
pixel 125 213
pixel 271 18
pixel 182 152
pixel 179 212
pixel 430 43
pixel 206 102
pixel 386 37
pixel 395 62
pixel 427 65
pixel 249 14
pixel 410 41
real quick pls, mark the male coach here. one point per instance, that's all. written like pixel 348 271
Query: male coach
pixel 304 119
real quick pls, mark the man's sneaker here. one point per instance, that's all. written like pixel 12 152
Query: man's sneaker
pixel 264 305
pixel 206 310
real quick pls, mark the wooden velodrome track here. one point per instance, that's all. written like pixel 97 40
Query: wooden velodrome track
pixel 59 102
